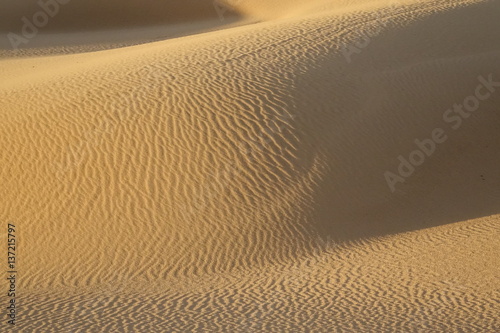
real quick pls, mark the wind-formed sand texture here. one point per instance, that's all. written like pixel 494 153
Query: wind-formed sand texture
pixel 252 166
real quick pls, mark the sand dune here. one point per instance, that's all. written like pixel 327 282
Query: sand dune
pixel 93 14
pixel 236 179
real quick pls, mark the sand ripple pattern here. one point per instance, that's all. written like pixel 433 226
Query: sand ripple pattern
pixel 233 181
pixel 401 283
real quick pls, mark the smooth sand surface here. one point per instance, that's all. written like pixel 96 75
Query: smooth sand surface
pixel 233 179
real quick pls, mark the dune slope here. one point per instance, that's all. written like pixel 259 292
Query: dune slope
pixel 237 180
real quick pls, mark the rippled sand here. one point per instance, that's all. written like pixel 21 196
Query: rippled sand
pixel 223 168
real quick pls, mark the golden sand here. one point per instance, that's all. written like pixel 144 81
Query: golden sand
pixel 175 166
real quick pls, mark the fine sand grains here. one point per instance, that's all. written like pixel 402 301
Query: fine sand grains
pixel 233 180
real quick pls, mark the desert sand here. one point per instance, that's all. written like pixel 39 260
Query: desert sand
pixel 253 166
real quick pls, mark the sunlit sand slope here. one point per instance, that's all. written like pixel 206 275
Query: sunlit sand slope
pixel 443 279
pixel 247 179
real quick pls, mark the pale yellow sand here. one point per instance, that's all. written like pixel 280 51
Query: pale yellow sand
pixel 233 180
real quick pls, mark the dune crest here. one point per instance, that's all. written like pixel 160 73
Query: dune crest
pixel 235 179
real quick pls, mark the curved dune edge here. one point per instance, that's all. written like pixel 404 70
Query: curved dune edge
pixel 58 27
pixel 48 27
pixel 439 279
pixel 234 180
